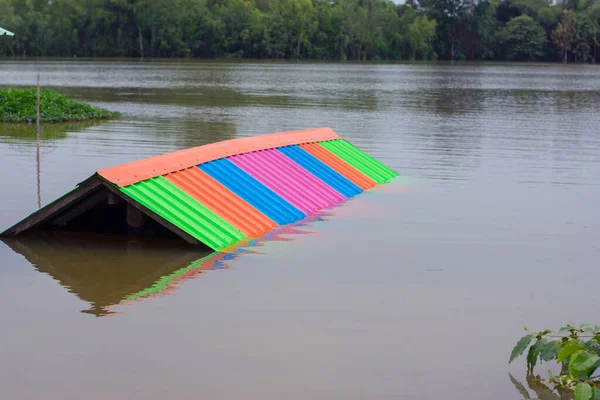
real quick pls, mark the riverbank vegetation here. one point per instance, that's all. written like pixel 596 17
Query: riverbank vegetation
pixel 576 350
pixel 519 30
pixel 19 105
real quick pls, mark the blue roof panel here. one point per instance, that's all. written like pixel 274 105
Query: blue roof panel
pixel 251 190
pixel 321 170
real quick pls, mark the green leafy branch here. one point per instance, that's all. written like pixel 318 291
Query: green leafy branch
pixel 575 349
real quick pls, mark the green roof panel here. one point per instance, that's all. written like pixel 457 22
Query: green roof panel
pixel 173 204
pixel 360 160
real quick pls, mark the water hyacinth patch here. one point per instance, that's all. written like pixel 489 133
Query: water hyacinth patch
pixel 19 105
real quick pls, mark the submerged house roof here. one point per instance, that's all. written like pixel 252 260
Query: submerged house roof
pixel 218 194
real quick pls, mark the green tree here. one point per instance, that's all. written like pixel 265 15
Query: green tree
pixel 564 34
pixel 420 33
pixel 593 14
pixel 523 38
pixel 530 7
pixel 488 30
pixel 449 14
pixel 585 35
pixel 302 23
pixel 303 29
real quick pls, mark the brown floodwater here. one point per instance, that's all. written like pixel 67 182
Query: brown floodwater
pixel 417 289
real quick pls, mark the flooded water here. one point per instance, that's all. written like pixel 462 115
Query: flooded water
pixel 415 290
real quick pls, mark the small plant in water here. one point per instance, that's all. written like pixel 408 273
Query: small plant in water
pixel 576 350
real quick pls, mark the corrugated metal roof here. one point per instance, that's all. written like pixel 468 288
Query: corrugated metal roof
pixel 341 166
pixel 222 201
pixel 286 178
pixel 221 193
pixel 251 190
pixel 321 170
pixel 136 171
pixel 360 160
pixel 180 209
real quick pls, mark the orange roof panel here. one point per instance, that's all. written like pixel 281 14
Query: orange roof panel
pixel 222 201
pixel 339 165
pixel 136 171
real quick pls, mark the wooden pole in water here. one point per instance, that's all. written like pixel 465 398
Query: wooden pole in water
pixel 37 140
pixel 37 109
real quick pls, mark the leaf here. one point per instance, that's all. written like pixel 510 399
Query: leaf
pixel 549 351
pixel 520 347
pixel 534 352
pixel 583 391
pixel 583 363
pixel 593 346
pixel 584 360
pixel 519 386
pixel 567 328
pixel 567 350
pixel 596 395
pixel 587 328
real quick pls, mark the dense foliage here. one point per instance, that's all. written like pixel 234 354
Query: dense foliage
pixel 305 29
pixel 19 105
pixel 575 349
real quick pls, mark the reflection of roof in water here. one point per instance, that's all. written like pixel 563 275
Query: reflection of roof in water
pixel 102 272
pixel 112 271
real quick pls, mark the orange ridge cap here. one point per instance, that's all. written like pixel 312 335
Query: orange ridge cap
pixel 140 170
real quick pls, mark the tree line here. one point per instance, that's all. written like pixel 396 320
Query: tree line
pixel 519 30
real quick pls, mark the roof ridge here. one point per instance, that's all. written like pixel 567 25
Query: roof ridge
pixel 140 170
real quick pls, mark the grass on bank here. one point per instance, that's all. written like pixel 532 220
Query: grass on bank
pixel 18 105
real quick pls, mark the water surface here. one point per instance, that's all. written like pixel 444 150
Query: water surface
pixel 417 289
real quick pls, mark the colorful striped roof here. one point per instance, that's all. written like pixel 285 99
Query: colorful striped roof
pixel 224 193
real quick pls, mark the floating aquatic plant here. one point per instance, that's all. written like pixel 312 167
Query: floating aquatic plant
pixel 19 105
